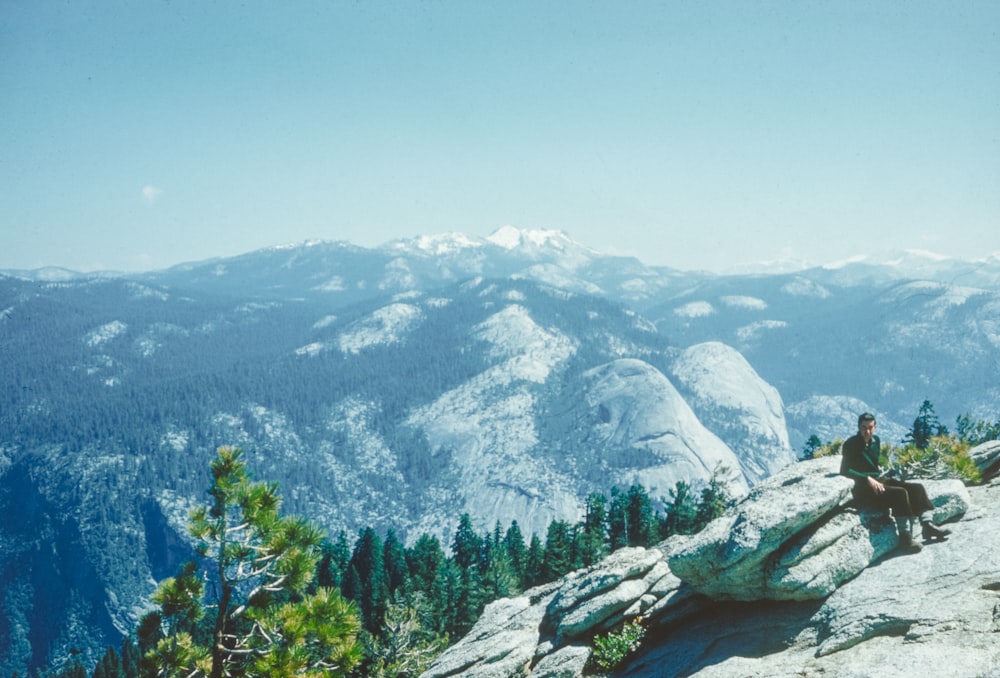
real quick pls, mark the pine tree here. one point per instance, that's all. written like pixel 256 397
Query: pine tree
pixel 333 564
pixel 468 556
pixel 259 620
pixel 925 427
pixel 446 596
pixel 534 563
pixel 394 562
pixel 513 542
pixel 404 647
pixel 130 658
pixel 813 444
pixel 714 499
pixel 423 560
pixel 149 633
pixel 110 665
pixel 367 581
pixel 467 546
pixel 500 580
pixel 681 512
pixel 558 550
pixel 354 588
pixel 976 432
pixel 74 670
pixel 592 538
pixel 640 517
pixel 617 520
pixel 496 539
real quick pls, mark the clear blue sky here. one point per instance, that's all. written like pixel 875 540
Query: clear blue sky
pixel 138 135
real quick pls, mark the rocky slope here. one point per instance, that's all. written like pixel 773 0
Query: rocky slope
pixel 792 582
pixel 735 402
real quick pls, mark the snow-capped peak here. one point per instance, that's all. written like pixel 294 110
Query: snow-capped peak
pixel 511 237
pixel 835 265
pixel 438 244
pixel 313 242
pixel 893 259
pixel 927 254
pixel 785 264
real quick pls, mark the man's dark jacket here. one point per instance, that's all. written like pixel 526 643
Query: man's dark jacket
pixel 859 461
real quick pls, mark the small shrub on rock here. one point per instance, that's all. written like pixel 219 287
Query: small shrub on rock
pixel 817 449
pixel 611 650
pixel 944 456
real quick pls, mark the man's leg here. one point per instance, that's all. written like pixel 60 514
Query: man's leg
pixel 898 500
pixel 916 503
pixel 922 503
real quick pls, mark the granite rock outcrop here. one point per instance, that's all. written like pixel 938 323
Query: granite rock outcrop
pixel 794 580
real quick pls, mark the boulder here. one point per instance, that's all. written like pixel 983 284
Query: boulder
pixel 987 458
pixel 585 585
pixel 794 537
pixel 801 555
pixel 566 662
pixel 936 612
pixel 732 558
pixel 817 561
pixel 502 643
pixel 814 563
pixel 540 632
pixel 619 584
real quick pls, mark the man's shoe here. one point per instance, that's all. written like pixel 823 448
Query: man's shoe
pixel 929 531
pixel 906 543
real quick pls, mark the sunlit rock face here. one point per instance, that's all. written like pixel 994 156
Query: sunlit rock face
pixel 793 580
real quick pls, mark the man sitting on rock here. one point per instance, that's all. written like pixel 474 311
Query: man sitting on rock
pixel 872 489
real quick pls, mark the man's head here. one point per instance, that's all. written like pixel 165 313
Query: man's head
pixel 866 426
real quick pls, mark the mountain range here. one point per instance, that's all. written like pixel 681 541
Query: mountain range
pixel 401 386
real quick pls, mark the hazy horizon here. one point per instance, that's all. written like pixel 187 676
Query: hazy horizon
pixel 887 257
pixel 702 136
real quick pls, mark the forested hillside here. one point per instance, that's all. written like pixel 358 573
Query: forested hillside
pixel 402 388
pixel 121 392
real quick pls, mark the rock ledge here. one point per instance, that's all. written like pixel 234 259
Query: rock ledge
pixel 793 581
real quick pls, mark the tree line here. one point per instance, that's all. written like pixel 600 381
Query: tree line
pixel 271 596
